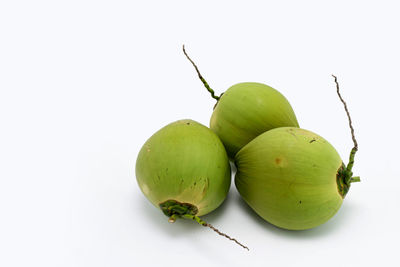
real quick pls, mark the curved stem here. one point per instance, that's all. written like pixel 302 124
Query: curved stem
pixel 225 235
pixel 203 223
pixel 201 77
pixel 355 148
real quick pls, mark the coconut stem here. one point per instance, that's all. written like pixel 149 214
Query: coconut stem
pixel 225 235
pixel 173 218
pixel 200 76
pixel 355 147
pixel 203 223
pixel 194 218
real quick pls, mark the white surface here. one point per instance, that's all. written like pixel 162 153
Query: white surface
pixel 83 84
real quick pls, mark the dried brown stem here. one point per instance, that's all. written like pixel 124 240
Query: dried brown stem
pixel 225 235
pixel 347 112
pixel 355 148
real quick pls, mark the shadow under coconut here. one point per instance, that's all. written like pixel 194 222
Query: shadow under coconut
pixel 182 227
pixel 340 219
pixel 186 230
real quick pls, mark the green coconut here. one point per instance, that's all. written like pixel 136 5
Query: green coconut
pixel 245 111
pixel 183 170
pixel 293 178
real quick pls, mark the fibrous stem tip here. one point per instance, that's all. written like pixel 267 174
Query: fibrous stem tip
pixel 201 77
pixel 355 147
pixel 203 223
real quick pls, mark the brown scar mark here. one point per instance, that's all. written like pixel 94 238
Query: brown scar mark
pixel 206 184
pixel 292 133
pixel 278 161
pixel 313 140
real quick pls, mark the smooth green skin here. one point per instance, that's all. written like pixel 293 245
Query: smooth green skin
pixel 184 161
pixel 289 179
pixel 246 110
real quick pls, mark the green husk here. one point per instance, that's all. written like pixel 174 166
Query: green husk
pixel 185 162
pixel 289 177
pixel 247 110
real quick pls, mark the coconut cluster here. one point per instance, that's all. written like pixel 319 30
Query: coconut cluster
pixel 291 177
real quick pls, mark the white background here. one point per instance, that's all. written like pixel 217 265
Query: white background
pixel 83 84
